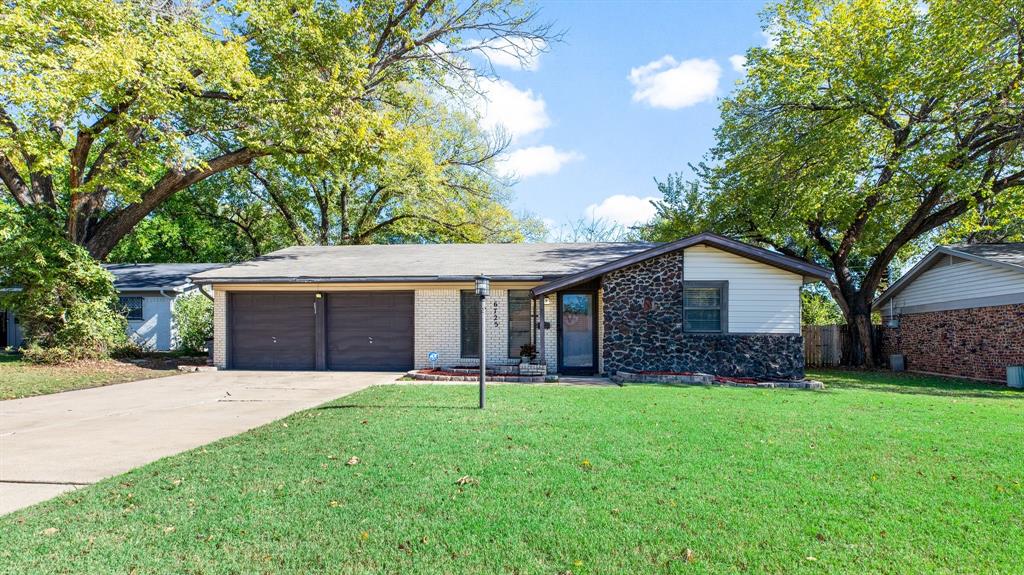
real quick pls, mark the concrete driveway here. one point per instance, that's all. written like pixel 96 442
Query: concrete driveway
pixel 55 443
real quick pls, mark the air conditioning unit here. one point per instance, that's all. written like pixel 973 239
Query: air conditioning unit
pixel 1015 376
pixel 896 362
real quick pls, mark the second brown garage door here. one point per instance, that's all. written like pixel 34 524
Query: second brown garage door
pixel 370 330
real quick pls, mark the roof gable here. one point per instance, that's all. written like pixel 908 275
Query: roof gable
pixel 713 240
pixel 981 253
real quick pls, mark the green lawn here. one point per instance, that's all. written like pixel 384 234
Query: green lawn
pixel 877 474
pixel 19 378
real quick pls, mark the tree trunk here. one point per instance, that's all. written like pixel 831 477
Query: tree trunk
pixel 862 334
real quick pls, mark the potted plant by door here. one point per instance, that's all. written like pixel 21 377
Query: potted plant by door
pixel 527 353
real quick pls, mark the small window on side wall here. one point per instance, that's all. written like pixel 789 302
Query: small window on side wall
pixel 131 308
pixel 705 307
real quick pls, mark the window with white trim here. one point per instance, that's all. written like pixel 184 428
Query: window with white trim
pixel 705 307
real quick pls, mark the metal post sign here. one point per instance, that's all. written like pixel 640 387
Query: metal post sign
pixel 432 358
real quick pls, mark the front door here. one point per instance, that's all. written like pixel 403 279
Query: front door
pixel 577 328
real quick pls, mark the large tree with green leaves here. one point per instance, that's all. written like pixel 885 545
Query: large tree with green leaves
pixel 868 128
pixel 108 109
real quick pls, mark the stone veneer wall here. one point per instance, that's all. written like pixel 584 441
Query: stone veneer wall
pixel 976 343
pixel 643 331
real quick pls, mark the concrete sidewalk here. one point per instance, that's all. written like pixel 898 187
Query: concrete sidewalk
pixel 54 443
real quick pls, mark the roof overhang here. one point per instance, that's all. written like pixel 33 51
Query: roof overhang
pixel 790 264
pixel 359 280
pixel 925 263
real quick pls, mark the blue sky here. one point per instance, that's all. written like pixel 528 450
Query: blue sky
pixel 630 94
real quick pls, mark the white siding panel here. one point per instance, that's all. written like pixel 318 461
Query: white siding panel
pixel 762 298
pixel 950 281
pixel 153 332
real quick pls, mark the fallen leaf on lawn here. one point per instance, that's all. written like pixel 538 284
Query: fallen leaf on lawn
pixel 352 461
pixel 585 464
pixel 820 537
pixel 364 422
pixel 332 457
pixel 169 529
pixel 404 546
pixel 810 558
pixel 364 535
pixel 49 531
pixel 334 503
pixel 577 563
pixel 424 540
pixel 466 480
pixel 689 555
pixel 284 425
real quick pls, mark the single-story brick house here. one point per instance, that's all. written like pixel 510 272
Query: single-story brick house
pixel 959 311
pixel 147 293
pixel 704 303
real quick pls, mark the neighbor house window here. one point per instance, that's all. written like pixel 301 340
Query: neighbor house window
pixel 131 307
pixel 520 324
pixel 469 320
pixel 705 306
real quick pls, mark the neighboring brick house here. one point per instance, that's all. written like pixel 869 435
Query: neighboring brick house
pixel 704 303
pixel 959 312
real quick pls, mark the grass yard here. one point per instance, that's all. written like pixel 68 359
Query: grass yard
pixel 19 378
pixel 877 474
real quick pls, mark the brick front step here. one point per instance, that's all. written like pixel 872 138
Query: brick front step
pixel 474 377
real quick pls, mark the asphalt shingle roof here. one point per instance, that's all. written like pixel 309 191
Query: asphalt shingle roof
pixel 1007 253
pixel 426 262
pixel 149 276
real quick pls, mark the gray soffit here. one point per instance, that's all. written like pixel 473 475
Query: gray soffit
pixel 421 263
pixel 713 240
pixel 150 277
pixel 1006 256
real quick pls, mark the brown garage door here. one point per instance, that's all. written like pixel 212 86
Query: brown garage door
pixel 370 330
pixel 272 331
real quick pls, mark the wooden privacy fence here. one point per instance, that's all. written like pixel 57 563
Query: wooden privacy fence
pixel 832 345
pixel 823 345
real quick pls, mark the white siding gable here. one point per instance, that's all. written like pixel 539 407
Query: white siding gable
pixel 954 279
pixel 762 298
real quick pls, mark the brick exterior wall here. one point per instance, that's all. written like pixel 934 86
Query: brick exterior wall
pixel 976 343
pixel 642 312
pixel 438 328
pixel 220 329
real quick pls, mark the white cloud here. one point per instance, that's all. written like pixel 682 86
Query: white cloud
pixel 623 209
pixel 666 83
pixel 505 107
pixel 516 52
pixel 738 63
pixel 771 37
pixel 536 161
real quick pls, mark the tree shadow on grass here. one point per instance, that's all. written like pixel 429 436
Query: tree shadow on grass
pixel 394 406
pixel 9 357
pixel 914 384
